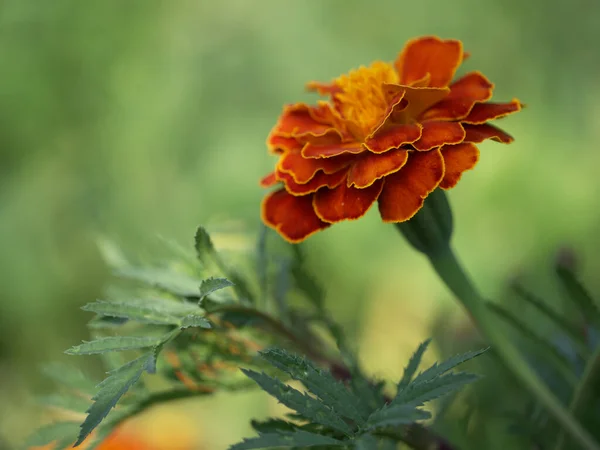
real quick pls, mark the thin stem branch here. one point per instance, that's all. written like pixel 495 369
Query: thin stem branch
pixel 451 272
pixel 584 391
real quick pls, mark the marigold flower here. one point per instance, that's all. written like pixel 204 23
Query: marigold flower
pixel 391 133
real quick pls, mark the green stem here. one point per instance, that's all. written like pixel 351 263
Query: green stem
pixel 450 271
pixel 583 392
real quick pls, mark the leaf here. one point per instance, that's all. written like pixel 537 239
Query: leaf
pixel 319 382
pixel 578 294
pixel 304 281
pixel 66 402
pixel 272 425
pixel 205 249
pixel 53 432
pixel 439 369
pixel 213 284
pixel 194 320
pixel 298 438
pixel 113 344
pixel 69 376
pixel 110 391
pixel 396 415
pixel 419 393
pixel 282 287
pixel 546 349
pixel 152 310
pixel 413 365
pixel 167 280
pixel 305 405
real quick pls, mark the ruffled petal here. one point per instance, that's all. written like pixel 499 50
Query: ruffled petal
pixel 370 167
pixel 405 191
pixel 482 112
pixel 304 169
pixel 328 151
pixel 321 88
pixel 429 55
pixel 436 134
pixel 472 88
pixel 393 136
pixel 457 159
pixel 280 144
pixel 304 123
pixel 479 133
pixel 269 180
pixel 293 217
pixel 320 180
pixel 420 99
pixel 344 202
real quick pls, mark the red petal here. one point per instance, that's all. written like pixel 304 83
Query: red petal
pixel 458 159
pixel 304 169
pixel 370 167
pixel 279 144
pixel 482 112
pixel 479 133
pixel 436 134
pixel 421 98
pixel 322 88
pixel 464 93
pixel 393 136
pixel 328 151
pixel 345 203
pixel 269 180
pixel 429 55
pixel 395 109
pixel 297 120
pixel 405 191
pixel 293 217
pixel 320 180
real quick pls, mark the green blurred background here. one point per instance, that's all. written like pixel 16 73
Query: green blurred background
pixel 137 118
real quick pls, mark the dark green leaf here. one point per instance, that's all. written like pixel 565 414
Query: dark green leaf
pixel 53 432
pixel 110 391
pixel 194 320
pixel 272 425
pixel 579 295
pixel 213 284
pixel 439 369
pixel 311 408
pixel 205 249
pixel 298 438
pixel 418 393
pixel 395 415
pixel 319 382
pixel 152 310
pixel 113 344
pixel 413 365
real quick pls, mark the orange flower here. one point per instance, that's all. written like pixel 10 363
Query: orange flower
pixel 388 132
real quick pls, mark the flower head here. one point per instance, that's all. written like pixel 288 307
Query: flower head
pixel 391 133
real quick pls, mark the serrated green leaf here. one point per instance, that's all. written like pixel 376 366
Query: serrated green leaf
pixel 167 280
pixel 194 320
pixel 57 431
pixel 272 426
pixel 545 347
pixel 152 310
pixel 309 407
pixel 413 365
pixel 110 391
pixel 319 382
pixel 298 438
pixel 369 393
pixel 213 284
pixel 106 322
pixel 113 344
pixel 69 376
pixel 439 369
pixel 66 402
pixel 579 295
pixel 205 249
pixel 419 393
pixel 393 415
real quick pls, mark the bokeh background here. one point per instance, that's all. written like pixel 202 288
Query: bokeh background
pixel 137 118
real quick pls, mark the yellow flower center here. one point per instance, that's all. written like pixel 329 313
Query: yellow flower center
pixel 363 101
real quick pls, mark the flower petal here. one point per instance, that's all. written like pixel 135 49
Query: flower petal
pixel 279 144
pixel 344 202
pixel 320 180
pixel 482 112
pixel 293 217
pixel 440 58
pixel 393 136
pixel 435 134
pixel 457 159
pixel 420 99
pixel 311 150
pixel 370 167
pixel 405 191
pixel 297 120
pixel 464 93
pixel 479 133
pixel 304 169
pixel 321 88
pixel 269 180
